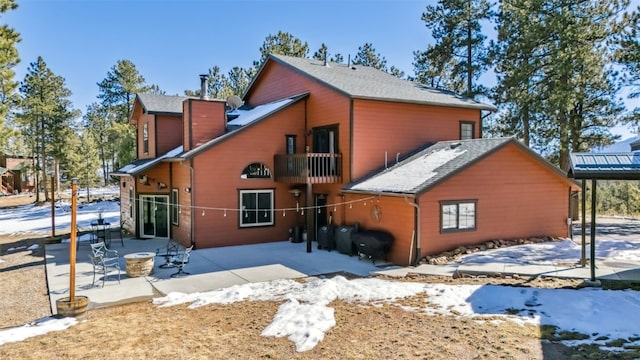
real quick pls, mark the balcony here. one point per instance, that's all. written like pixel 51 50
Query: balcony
pixel 313 168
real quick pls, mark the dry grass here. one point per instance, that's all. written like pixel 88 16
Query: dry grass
pixel 146 331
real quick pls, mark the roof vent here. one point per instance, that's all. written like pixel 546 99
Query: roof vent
pixel 454 145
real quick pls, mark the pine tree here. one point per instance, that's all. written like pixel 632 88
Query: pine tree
pixel 116 93
pixel 367 56
pixel 460 52
pixel 45 118
pixel 8 60
pixel 282 43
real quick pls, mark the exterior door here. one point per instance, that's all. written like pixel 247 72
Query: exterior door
pixel 154 216
pixel 325 141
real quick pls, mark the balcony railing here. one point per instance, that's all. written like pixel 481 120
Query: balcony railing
pixel 314 168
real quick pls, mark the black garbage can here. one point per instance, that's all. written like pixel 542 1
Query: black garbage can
pixel 326 239
pixel 297 234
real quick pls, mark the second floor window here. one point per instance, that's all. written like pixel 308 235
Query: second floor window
pixel 145 138
pixel 466 130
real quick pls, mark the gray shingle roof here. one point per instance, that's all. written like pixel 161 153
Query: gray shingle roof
pixel 611 166
pixel 161 104
pixel 428 167
pixel 369 83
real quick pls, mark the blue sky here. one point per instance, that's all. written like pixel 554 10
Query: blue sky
pixel 172 41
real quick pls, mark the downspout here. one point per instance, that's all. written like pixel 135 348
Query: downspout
pixel 416 246
pixel 191 193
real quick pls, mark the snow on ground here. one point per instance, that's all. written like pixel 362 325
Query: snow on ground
pixel 37 219
pixel 305 315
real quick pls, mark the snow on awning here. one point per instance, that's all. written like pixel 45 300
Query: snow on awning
pixel 139 166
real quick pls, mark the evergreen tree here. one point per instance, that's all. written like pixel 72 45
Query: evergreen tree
pixel 116 93
pixel 367 56
pixel 8 60
pixel 460 52
pixel 45 118
pixel 556 88
pixel 628 54
pixel 282 43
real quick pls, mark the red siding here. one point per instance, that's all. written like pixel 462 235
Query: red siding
pixel 181 180
pixel 207 120
pixel 397 217
pixel 325 105
pixel 217 182
pixel 168 133
pixel 412 126
pixel 516 195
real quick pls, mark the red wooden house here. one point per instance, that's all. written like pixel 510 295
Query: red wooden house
pixel 17 174
pixel 313 143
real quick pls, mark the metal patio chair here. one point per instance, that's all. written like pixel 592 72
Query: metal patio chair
pixel 104 265
pixel 180 261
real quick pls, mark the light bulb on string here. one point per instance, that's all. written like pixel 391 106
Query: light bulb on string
pixel 350 206
pixel 318 210
pixel 302 212
pixel 225 212
pixel 202 212
pixel 284 213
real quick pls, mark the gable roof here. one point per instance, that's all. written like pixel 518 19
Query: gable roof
pixel 609 166
pixel 434 164
pixel 369 83
pixel 161 104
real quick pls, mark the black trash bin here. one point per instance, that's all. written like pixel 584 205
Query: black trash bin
pixel 326 239
pixel 296 236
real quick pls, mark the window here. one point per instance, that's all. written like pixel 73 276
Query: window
pixel 174 206
pixel 466 130
pixel 256 208
pixel 457 215
pixel 256 171
pixel 145 138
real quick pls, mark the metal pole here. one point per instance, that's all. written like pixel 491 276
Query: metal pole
pixel 593 229
pixel 72 243
pixel 53 210
pixel 583 260
pixel 310 211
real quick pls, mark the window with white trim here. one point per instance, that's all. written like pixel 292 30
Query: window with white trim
pixel 457 215
pixel 256 208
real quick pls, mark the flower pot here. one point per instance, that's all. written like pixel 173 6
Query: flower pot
pixel 67 308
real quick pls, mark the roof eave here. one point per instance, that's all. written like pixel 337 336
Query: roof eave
pixel 478 106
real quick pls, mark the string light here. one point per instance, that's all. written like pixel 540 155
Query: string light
pixel 299 209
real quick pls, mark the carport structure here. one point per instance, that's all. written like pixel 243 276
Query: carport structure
pixel 600 166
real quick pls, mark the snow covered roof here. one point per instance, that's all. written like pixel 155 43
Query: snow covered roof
pixel 370 83
pixel 245 117
pixel 139 166
pixel 428 167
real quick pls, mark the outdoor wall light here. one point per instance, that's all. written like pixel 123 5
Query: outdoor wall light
pixel 187 189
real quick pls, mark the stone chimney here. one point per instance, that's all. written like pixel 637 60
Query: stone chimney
pixel 203 87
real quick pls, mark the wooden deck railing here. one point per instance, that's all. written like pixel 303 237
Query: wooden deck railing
pixel 314 168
